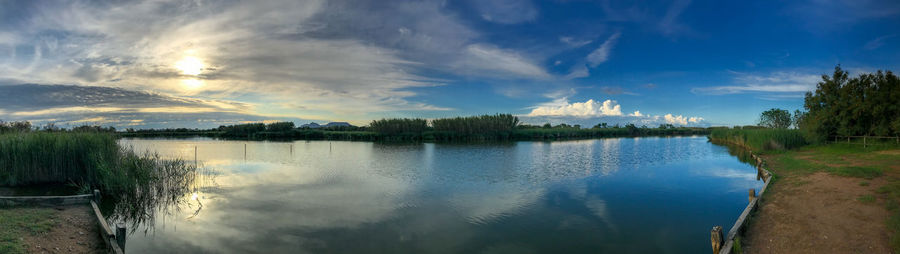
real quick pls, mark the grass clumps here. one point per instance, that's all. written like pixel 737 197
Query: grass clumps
pixel 866 199
pixel 18 222
pixel 860 172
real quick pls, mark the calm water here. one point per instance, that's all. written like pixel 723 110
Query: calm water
pixel 624 195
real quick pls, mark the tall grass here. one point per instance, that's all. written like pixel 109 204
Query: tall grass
pixel 88 160
pixel 760 139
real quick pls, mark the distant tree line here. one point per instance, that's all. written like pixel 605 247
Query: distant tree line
pixel 25 126
pixel 508 127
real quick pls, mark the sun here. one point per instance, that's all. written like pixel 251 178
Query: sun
pixel 190 65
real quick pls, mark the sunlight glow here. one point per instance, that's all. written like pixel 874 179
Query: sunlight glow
pixel 192 84
pixel 190 65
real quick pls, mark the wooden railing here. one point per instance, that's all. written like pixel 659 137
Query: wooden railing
pixel 725 246
pixel 115 240
pixel 865 139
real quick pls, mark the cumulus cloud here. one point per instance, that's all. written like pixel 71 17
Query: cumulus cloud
pixel 601 54
pixel 587 108
pixel 592 112
pixel 681 120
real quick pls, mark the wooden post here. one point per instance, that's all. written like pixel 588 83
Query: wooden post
pixel 752 194
pixel 120 235
pixel 848 139
pixel 715 236
pixel 758 172
pixel 195 156
pixel 864 142
pixel 97 196
pixel 245 151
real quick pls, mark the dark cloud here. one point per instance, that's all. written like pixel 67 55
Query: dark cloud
pixel 31 97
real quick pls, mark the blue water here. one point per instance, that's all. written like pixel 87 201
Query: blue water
pixel 622 195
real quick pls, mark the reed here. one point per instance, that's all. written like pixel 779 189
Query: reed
pixel 760 139
pixel 89 160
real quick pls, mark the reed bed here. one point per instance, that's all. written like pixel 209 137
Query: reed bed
pixel 760 139
pixel 88 160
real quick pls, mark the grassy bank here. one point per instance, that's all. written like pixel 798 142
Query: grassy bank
pixel 88 160
pixel 760 139
pixel 868 165
pixel 15 223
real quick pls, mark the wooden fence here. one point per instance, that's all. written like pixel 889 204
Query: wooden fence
pixel 865 139
pixel 725 246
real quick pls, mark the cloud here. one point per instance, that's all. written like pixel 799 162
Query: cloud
pixel 591 112
pixel 669 24
pixel 588 108
pixel 578 71
pixel 777 82
pixel 572 42
pixel 681 120
pixel 614 90
pixel 77 105
pixel 601 54
pixel 497 62
pixel 507 11
pixel 345 59
pixel 877 42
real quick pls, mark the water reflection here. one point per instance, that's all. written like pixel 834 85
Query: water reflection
pixel 528 197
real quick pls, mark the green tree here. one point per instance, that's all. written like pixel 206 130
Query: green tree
pixel 775 118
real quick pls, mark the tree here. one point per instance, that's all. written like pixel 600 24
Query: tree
pixel 775 118
pixel 797 118
pixel 845 106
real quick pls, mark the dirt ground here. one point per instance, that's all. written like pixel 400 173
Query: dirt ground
pixel 76 232
pixel 819 213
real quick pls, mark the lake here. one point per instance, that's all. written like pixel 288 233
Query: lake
pixel 616 195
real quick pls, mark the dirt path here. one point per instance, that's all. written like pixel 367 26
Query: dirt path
pixel 820 213
pixel 75 232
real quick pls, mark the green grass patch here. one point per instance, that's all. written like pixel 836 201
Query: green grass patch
pixel 863 183
pixel 18 222
pixel 861 172
pixel 866 199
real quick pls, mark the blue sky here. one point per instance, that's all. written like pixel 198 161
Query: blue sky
pixel 204 63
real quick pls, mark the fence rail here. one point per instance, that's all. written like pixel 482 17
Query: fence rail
pixel 725 246
pixel 865 139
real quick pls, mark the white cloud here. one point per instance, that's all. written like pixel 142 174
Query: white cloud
pixel 778 82
pixel 507 11
pixel 591 112
pixel 489 59
pixel 601 54
pixel 572 42
pixel 588 108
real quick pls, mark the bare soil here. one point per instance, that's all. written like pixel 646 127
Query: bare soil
pixel 76 232
pixel 819 213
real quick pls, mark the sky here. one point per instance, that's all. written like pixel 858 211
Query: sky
pixel 201 64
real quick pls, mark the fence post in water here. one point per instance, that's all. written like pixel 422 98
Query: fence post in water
pixel 715 236
pixel 120 235
pixel 97 196
pixel 752 194
pixel 245 151
pixel 864 142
